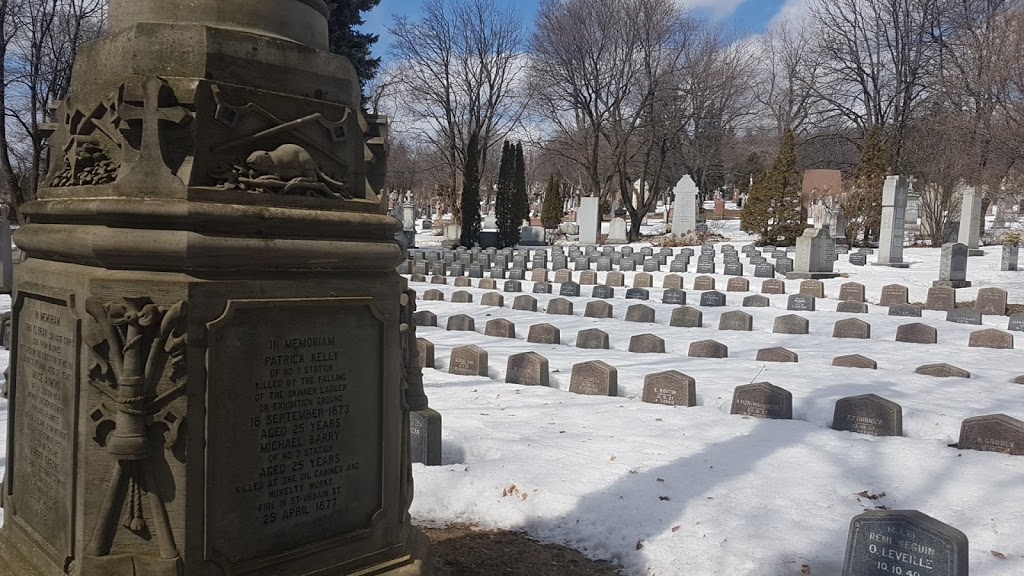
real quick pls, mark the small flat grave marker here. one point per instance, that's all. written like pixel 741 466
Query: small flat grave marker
pixel 468 361
pixel 736 320
pixel 527 369
pixel 592 339
pixel 687 317
pixel 712 299
pixel 961 316
pixel 849 307
pixel 942 371
pixel 855 361
pixel 670 388
pixel 646 344
pixel 594 378
pixel 763 400
pixel 993 433
pixel 868 414
pixel 882 542
pixel 708 349
pixel 905 311
pixel 544 334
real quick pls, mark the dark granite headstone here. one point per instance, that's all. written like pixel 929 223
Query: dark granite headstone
pixel 706 267
pixel 542 288
pixel 570 289
pixel 640 313
pixel 905 310
pixel 1016 323
pixel 961 316
pixel 687 317
pixel 544 334
pixel 733 269
pixel 677 297
pixel 907 542
pixel 670 388
pixel 762 400
pixel 513 286
pixel 468 361
pixel 859 259
pixel 868 414
pixel 594 378
pixel 712 299
pixel 527 369
pixel 526 303
pixel 993 433
pixel 680 266
pixel 603 292
pixel 592 339
pixel 850 307
pixel 638 294
pixel 801 303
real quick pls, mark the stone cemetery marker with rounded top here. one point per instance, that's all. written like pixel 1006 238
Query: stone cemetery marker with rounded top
pixel 736 320
pixel 791 324
pixel 438 280
pixel 708 349
pixel 588 278
pixel 991 302
pixel 426 352
pixel 738 285
pixel 993 433
pixel 894 295
pixel 425 318
pixel 762 400
pixel 917 333
pixel 991 338
pixel 500 328
pixel 487 284
pixel 640 313
pixel 854 361
pixel 773 286
pixel 463 282
pixel 513 286
pixel 701 283
pixel 868 414
pixel 884 542
pixel 852 328
pixel 604 292
pixel 492 299
pixel 570 289
pixel 525 303
pixel 712 299
pixel 687 317
pixel 594 378
pixel 852 291
pixel 468 361
pixel 672 281
pixel 674 296
pixel 646 344
pixel 560 306
pixel 777 355
pixel 592 339
pixel 433 295
pixel 527 369
pixel 815 288
pixel 756 301
pixel 643 280
pixel 598 309
pixel 942 371
pixel 461 323
pixel 544 334
pixel 942 298
pixel 542 288
pixel 615 279
pixel 670 388
pixel 417 278
pixel 539 275
pixel 801 303
pixel 562 276
pixel 462 297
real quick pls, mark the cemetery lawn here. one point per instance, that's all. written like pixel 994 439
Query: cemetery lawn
pixel 669 491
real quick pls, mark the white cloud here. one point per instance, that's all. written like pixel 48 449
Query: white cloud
pixel 795 11
pixel 719 9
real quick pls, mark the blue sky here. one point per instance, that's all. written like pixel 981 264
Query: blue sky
pixel 746 16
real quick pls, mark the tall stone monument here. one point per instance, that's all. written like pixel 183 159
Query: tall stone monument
pixel 970 221
pixel 684 220
pixel 815 256
pixel 213 356
pixel 894 219
pixel 589 219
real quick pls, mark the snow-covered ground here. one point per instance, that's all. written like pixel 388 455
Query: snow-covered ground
pixel 697 491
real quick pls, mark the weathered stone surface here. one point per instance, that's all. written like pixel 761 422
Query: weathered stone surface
pixel 492 299
pixel 687 317
pixel 638 294
pixel 905 311
pixel 961 316
pixel 953 266
pixel 917 333
pixel 588 278
pixel 738 285
pixel 560 306
pixel 708 349
pixel 433 296
pixel 598 309
pixel 542 288
pixel 646 344
pixel 849 307
pixel 413 278
pixel 1016 323
pixel 791 324
pixel 513 286
pixel 672 281
pixel 670 388
pixel 539 275
pixel 712 299
pixel 701 283
pixel 468 361
pixel 991 338
pixel 942 371
pixel 569 289
pixel 815 288
pixel 527 369
pixel 941 298
pixel 772 286
pixel 603 292
pixel 426 352
pixel 941 548
pixel 777 355
pixel 674 296
pixel 461 323
pixel 854 361
pixel 594 378
pixel 643 280
pixel 562 276
pixel 487 284
pixel 640 313
pixel 500 328
pixel 544 334
pixel 993 433
pixel 425 318
pixel 852 291
pixel 852 328
pixel 756 301
pixel 463 282
pixel 801 303
pixel 868 414
pixel 762 400
pixel 736 320
pixel 438 280
pixel 592 339
pixel 894 295
pixel 462 297
pixel 991 301
pixel 526 303
pixel 615 279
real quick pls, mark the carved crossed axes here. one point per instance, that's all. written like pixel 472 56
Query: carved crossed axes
pixel 140 338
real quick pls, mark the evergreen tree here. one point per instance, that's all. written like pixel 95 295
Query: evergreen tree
pixel 471 193
pixel 551 215
pixel 862 201
pixel 520 198
pixel 505 208
pixel 773 209
pixel 349 42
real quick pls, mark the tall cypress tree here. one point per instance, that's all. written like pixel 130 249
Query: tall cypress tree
pixel 521 200
pixel 505 208
pixel 349 42
pixel 551 215
pixel 471 193
pixel 773 209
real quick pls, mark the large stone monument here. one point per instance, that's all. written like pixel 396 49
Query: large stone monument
pixel 684 220
pixel 589 219
pixel 894 218
pixel 212 351
pixel 815 256
pixel 970 221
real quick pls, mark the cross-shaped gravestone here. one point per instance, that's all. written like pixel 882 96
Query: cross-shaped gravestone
pixel 150 172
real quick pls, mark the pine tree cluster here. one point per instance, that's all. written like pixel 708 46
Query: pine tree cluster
pixel 512 205
pixel 773 209
pixel 471 194
pixel 862 201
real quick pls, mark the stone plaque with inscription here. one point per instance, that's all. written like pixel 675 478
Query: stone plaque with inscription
pixel 299 459
pixel 670 388
pixel 46 393
pixel 993 433
pixel 868 414
pixel 763 400
pixel 904 542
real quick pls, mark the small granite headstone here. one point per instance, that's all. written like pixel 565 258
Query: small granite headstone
pixel 594 378
pixel 463 282
pixel 993 433
pixel 487 284
pixel 706 267
pixel 500 328
pixel 917 333
pixel 765 270
pixel 814 288
pixel 598 309
pixel 773 286
pixel 638 294
pixel 852 328
pixel 560 306
pixel 462 297
pixel 539 275
pixel 991 338
pixel 961 316
pixel 525 303
pixel 677 297
pixel 562 276
pixel 905 310
pixel 588 278
pixel 762 400
pixel 603 292
pixel 687 317
pixel 733 269
pixel 643 280
pixel 908 542
pixel 670 388
pixel 991 301
pixel 868 414
pixel 646 344
pixel 426 352
pixel 468 361
pixel 1016 323
pixel 672 281
pixel 513 286
pixel 615 279
pixel 592 339
pixel 852 291
pixel 941 298
pixel 640 313
pixel 681 266
pixel 801 303
pixel 738 285
pixel 708 349
pixel 542 288
pixel 570 289
pixel 527 369
pixel 894 295
pixel 433 295
pixel 791 324
pixel 461 323
pixel 850 307
pixel 701 283
pixel 544 334
pixel 492 299
pixel 777 355
pixel 736 320
pixel 942 370
pixel 425 318
pixel 854 361
pixel 712 299
pixel 859 259
pixel 756 301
